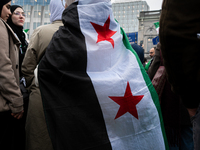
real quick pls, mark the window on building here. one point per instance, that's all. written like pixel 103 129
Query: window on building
pixel 37 14
pixel 47 14
pixel 150 39
pixel 35 25
pixel 45 23
pixel 26 25
pixel 28 13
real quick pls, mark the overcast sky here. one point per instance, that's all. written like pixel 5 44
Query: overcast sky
pixel 153 4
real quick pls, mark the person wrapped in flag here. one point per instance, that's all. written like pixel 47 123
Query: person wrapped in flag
pixel 95 91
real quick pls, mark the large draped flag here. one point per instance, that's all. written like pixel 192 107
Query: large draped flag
pixel 95 91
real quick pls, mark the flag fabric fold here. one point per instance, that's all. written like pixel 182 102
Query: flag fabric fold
pixel 157 26
pixel 95 91
pixel 155 40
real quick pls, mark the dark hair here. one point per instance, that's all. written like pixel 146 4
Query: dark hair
pixel 2 3
pixel 139 50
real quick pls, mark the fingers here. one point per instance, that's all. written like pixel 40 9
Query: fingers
pixel 192 112
pixel 18 115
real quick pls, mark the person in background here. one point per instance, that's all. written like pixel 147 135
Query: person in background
pixel 16 22
pixel 11 99
pixel 145 61
pixel 175 116
pixel 36 129
pixel 180 46
pixel 156 62
pixel 139 50
pixel 82 55
pixel 151 54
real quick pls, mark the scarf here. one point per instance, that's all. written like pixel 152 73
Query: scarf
pixel 56 9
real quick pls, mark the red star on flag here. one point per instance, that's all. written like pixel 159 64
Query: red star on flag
pixel 127 103
pixel 104 33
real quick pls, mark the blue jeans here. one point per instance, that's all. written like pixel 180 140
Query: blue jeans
pixel 186 139
pixel 196 129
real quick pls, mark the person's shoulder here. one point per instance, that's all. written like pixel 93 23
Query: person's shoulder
pixel 41 28
pixel 2 23
pixel 47 29
pixel 3 28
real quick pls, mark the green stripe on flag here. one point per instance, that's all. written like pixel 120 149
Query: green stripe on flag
pixel 153 92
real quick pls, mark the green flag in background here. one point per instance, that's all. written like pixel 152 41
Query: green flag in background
pixel 157 26
pixel 26 30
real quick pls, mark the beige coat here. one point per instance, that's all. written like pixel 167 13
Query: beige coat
pixel 10 94
pixel 36 130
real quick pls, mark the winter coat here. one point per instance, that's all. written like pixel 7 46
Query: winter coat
pixel 36 129
pixel 175 115
pixel 180 46
pixel 10 94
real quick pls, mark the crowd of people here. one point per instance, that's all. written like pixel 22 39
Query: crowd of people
pixel 25 65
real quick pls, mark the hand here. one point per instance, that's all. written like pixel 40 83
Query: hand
pixel 18 115
pixel 192 111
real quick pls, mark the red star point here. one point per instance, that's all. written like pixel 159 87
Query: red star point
pixel 127 103
pixel 104 33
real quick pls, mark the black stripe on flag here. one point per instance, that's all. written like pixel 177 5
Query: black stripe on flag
pixel 73 114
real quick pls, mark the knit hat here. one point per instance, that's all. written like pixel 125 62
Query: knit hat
pixel 2 3
pixel 139 50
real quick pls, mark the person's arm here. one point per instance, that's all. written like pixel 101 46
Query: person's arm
pixel 9 88
pixel 30 60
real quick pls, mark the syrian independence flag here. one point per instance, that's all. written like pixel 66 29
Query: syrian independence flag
pixel 95 91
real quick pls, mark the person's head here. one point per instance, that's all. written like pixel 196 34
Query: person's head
pixel 139 50
pixel 56 10
pixel 18 15
pixel 5 9
pixel 152 52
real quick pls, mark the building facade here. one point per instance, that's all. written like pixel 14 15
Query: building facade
pixel 126 12
pixel 147 30
pixel 37 13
